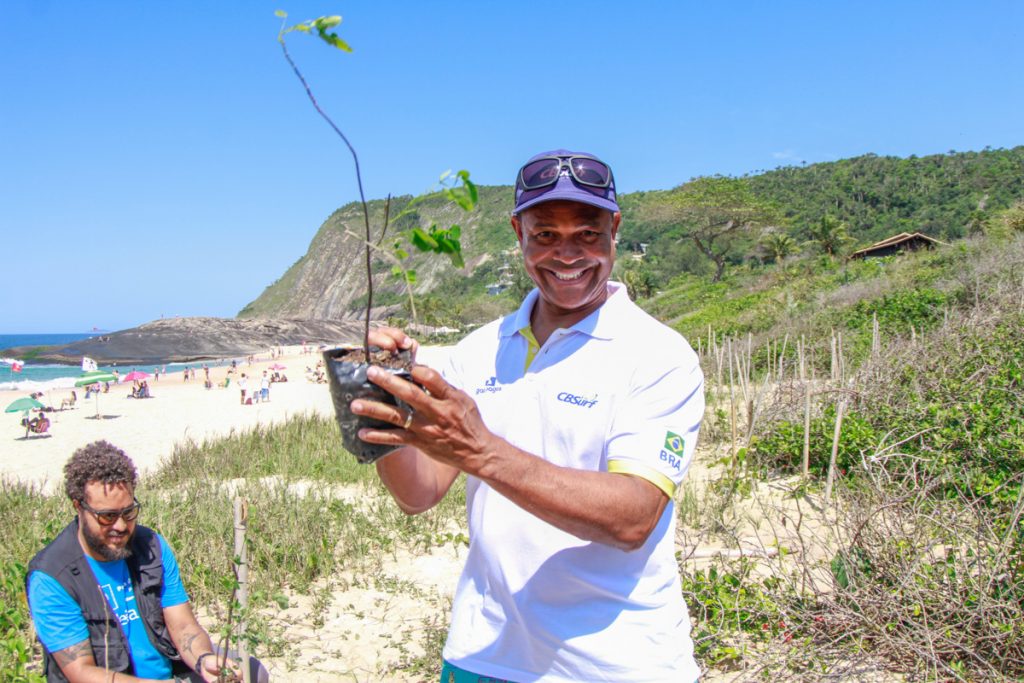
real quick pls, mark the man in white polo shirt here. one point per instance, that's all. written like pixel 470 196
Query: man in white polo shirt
pixel 574 419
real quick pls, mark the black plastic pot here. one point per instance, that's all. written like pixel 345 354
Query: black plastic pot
pixel 347 382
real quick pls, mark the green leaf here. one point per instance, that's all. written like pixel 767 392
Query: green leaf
pixel 333 40
pixel 470 185
pixel 410 275
pixel 402 254
pixel 422 240
pixel 301 27
pixel 280 13
pixel 460 197
pixel 397 271
pixel 323 23
pixel 455 232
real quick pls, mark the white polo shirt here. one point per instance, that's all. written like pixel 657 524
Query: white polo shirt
pixel 618 391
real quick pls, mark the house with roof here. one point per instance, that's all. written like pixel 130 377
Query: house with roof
pixel 905 241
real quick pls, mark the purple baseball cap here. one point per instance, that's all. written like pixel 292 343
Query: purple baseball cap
pixel 587 180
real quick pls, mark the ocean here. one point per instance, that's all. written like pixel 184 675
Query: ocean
pixel 43 376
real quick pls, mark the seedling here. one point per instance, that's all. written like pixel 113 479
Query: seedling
pixel 456 187
pixel 347 372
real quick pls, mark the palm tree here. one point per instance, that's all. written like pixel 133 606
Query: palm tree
pixel 778 245
pixel 830 234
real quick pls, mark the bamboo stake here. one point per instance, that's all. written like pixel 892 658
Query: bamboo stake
pixel 732 410
pixel 782 357
pixel 241 519
pixel 834 365
pixel 801 347
pixel 807 430
pixel 876 341
pixel 807 407
pixel 839 355
pixel 750 359
pixel 718 360
pixel 754 408
pixel 835 449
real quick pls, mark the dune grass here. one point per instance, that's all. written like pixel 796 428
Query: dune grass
pixel 314 512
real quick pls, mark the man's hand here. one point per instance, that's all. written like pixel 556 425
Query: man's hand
pixel 210 668
pixel 393 340
pixel 444 423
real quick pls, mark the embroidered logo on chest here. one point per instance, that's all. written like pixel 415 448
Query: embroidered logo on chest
pixel 581 401
pixel 490 386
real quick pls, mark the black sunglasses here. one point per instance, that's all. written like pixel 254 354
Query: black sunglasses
pixel 546 171
pixel 110 517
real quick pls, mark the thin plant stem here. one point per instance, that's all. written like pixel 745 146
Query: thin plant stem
pixel 359 182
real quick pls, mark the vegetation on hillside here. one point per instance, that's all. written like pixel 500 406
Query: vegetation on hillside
pixel 826 208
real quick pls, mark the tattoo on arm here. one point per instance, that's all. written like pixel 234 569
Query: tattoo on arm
pixel 187 639
pixel 73 653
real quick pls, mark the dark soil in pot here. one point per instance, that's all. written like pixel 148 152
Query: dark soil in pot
pixel 346 376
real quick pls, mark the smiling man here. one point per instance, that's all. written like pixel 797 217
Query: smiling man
pixel 574 419
pixel 106 597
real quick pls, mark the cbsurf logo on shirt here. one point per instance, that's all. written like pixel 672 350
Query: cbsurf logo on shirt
pixel 672 451
pixel 581 401
pixel 489 387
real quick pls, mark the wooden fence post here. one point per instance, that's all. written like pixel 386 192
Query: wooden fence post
pixel 835 448
pixel 241 558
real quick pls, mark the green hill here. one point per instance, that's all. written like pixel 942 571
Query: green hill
pixel 946 196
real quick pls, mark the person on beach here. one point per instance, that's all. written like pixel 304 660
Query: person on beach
pixel 241 386
pixel 265 388
pixel 106 595
pixel 575 420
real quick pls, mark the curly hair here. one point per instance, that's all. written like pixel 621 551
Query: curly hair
pixel 99 461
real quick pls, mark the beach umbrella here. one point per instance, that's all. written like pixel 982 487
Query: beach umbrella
pixel 95 377
pixel 134 375
pixel 23 405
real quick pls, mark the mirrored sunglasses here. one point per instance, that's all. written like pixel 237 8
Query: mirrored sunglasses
pixel 546 171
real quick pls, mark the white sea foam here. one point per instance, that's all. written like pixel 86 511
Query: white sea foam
pixel 35 385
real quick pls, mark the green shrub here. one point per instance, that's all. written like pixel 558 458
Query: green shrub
pixel 780 450
pixel 729 609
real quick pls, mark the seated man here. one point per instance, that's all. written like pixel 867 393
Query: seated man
pixel 41 424
pixel 69 402
pixel 106 597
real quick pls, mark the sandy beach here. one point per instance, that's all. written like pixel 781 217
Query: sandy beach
pixel 148 429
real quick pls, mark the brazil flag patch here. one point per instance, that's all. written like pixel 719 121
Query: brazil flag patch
pixel 674 443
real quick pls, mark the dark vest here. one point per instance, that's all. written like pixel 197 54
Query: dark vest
pixel 64 561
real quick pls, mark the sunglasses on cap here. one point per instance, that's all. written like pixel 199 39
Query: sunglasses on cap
pixel 586 171
pixel 110 517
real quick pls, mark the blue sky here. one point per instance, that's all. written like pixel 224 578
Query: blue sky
pixel 160 159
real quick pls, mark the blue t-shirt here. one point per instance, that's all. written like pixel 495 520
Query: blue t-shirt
pixel 59 622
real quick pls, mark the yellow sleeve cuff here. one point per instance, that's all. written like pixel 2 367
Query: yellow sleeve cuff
pixel 647 473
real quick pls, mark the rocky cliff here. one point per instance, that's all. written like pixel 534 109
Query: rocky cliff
pixel 329 281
